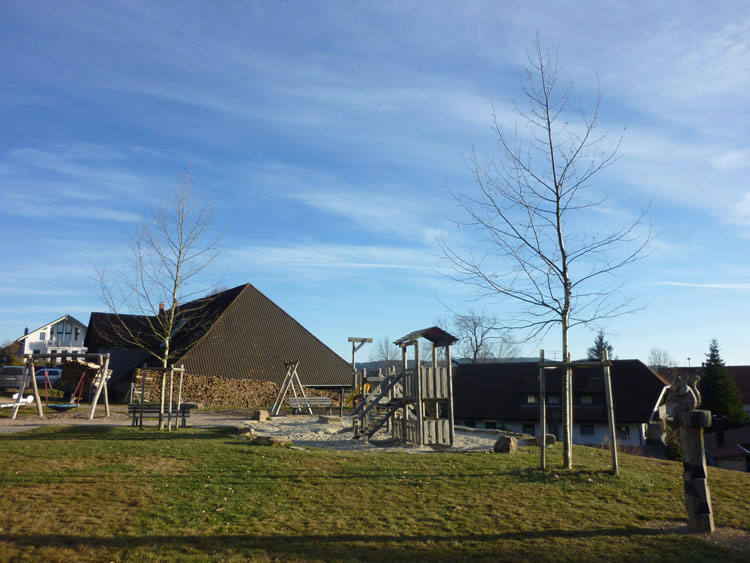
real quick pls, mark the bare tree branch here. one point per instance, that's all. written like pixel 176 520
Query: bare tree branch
pixel 166 256
pixel 529 212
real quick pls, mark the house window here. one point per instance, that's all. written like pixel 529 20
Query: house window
pixel 471 423
pixel 42 335
pixel 586 399
pixel 532 399
pixel 490 424
pixel 528 428
pixel 60 328
pixel 78 333
pixel 553 399
pixel 623 432
pixel 36 351
pixel 587 429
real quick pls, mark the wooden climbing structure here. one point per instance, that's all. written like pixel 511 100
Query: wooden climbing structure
pixel 415 405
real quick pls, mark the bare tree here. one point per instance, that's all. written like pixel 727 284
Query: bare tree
pixel 480 340
pixel 167 254
pixel 659 359
pixel 532 213
pixel 385 351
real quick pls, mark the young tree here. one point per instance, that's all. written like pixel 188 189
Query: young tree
pixel 167 254
pixel 533 215
pixel 596 351
pixel 719 391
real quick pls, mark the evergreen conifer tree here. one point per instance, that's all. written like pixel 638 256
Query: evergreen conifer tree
pixel 595 352
pixel 719 391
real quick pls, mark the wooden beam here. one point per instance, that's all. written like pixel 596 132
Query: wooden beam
pixel 610 412
pixel 542 413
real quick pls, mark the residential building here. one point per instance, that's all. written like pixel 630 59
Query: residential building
pixel 506 396
pixel 64 335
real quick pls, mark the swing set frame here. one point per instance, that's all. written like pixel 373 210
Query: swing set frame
pixel 102 360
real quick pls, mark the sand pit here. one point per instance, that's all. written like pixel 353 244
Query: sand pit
pixel 308 432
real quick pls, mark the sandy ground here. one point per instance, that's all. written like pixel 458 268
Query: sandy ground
pixel 303 430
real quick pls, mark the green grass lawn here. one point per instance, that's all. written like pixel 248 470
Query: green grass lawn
pixel 122 494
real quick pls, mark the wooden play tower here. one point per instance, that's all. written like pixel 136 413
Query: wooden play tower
pixel 414 404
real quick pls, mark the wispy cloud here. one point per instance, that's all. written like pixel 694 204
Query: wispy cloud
pixel 298 257
pixel 709 285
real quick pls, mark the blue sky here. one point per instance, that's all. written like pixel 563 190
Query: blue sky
pixel 326 134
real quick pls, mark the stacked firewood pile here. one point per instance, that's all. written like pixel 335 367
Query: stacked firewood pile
pixel 218 391
pixel 72 371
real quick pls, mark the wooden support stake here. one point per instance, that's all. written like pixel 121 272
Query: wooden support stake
pixel 542 413
pixel 171 391
pixel 610 412
pixel 106 392
pixel 161 399
pixel 143 393
pixel 451 419
pixel 405 362
pixel 567 416
pixel 418 393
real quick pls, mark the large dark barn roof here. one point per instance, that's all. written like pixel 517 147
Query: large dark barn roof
pixel 237 334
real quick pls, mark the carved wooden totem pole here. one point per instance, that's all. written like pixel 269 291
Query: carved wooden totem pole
pixel 683 414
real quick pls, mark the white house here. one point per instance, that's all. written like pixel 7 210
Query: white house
pixel 64 335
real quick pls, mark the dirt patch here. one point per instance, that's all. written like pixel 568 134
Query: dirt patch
pixel 732 538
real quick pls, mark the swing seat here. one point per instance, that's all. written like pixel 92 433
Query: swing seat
pixel 62 407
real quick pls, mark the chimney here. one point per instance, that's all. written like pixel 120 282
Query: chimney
pixel 26 331
pixel 161 308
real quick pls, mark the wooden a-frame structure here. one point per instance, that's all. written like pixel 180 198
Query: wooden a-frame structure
pixel 290 380
pixel 102 360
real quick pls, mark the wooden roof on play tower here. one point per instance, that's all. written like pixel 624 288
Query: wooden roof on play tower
pixel 434 334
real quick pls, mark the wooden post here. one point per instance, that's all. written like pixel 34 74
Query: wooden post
pixel 610 411
pixel 106 392
pixel 451 419
pixel 405 362
pixel 161 399
pixel 179 388
pixel 418 393
pixel 542 413
pixel 171 395
pixel 103 367
pixel 37 398
pixel 143 393
pixel 341 402
pixel 567 415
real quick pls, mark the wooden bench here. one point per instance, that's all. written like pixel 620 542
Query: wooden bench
pixel 299 403
pixel 151 410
